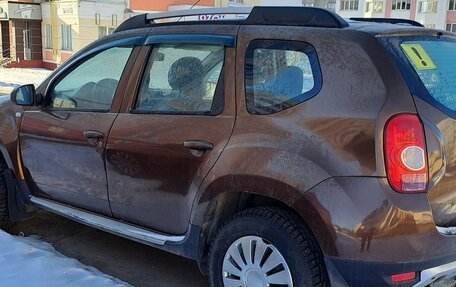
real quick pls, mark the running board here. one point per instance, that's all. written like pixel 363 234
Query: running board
pixel 106 224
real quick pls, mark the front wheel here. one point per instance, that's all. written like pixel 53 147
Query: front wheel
pixel 265 247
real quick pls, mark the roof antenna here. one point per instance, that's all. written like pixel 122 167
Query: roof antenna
pixel 197 1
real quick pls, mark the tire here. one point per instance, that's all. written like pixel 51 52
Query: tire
pixel 5 222
pixel 295 257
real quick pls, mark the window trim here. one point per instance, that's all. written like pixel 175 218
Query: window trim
pixel 396 5
pixel 452 8
pixel 219 94
pixel 297 46
pixel 48 36
pixel 69 41
pixel 76 60
pixel 349 5
pixel 202 39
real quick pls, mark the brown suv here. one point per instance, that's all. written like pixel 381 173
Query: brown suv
pixel 287 148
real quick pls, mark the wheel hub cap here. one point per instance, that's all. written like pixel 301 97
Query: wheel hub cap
pixel 252 262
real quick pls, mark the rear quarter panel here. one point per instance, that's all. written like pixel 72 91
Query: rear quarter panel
pixel 336 133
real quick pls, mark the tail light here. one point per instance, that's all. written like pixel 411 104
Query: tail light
pixel 405 154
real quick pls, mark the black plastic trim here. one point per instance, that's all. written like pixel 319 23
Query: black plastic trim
pixel 295 16
pixel 378 274
pixel 203 39
pixel 388 20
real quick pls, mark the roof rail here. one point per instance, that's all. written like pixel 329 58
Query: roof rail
pixel 389 20
pixel 295 16
pixel 198 12
pixel 259 15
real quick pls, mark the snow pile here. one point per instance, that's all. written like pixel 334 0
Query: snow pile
pixel 27 261
pixel 13 77
pixel 20 76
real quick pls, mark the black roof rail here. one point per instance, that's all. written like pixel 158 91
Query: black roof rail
pixel 389 20
pixel 295 16
pixel 259 15
pixel 135 22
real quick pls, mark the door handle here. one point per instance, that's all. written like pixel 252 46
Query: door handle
pixel 93 136
pixel 198 145
pixel 198 148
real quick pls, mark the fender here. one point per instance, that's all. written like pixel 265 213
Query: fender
pixel 10 121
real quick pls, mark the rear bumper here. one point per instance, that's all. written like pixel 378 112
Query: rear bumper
pixel 348 273
pixel 368 232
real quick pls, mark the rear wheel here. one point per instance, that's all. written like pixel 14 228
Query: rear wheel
pixel 5 222
pixel 264 247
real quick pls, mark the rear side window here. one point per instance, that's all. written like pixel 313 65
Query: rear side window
pixel 435 64
pixel 279 75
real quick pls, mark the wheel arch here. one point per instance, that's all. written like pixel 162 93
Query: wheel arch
pixel 6 157
pixel 229 195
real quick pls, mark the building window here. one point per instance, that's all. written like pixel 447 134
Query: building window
pixel 66 37
pixel 427 7
pixel 401 5
pixel 452 5
pixel 378 6
pixel 331 6
pixel 104 31
pixel 430 26
pixel 352 5
pixel 48 36
pixel 451 27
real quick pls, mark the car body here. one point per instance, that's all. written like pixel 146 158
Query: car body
pixel 172 178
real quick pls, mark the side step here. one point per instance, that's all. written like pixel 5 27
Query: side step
pixel 132 232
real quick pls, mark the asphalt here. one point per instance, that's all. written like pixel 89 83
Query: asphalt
pixel 134 263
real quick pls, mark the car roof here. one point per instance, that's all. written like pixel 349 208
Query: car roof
pixel 281 16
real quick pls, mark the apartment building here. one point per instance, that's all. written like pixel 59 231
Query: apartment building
pixel 70 25
pixel 438 14
pixel 45 33
pixel 225 3
pixel 148 6
pixel 20 32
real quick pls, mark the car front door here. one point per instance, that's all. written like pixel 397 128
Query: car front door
pixel 62 142
pixel 171 133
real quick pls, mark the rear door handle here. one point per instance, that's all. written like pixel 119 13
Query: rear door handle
pixel 93 136
pixel 198 145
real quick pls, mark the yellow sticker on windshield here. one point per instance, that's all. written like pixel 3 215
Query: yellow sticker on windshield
pixel 418 56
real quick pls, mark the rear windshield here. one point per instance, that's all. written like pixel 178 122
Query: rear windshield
pixel 433 64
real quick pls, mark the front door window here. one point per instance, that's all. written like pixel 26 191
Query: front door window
pixel 91 85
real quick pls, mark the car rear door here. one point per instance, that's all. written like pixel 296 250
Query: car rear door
pixel 174 127
pixel 429 65
pixel 62 142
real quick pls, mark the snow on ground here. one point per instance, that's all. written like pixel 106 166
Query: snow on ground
pixel 12 77
pixel 27 261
